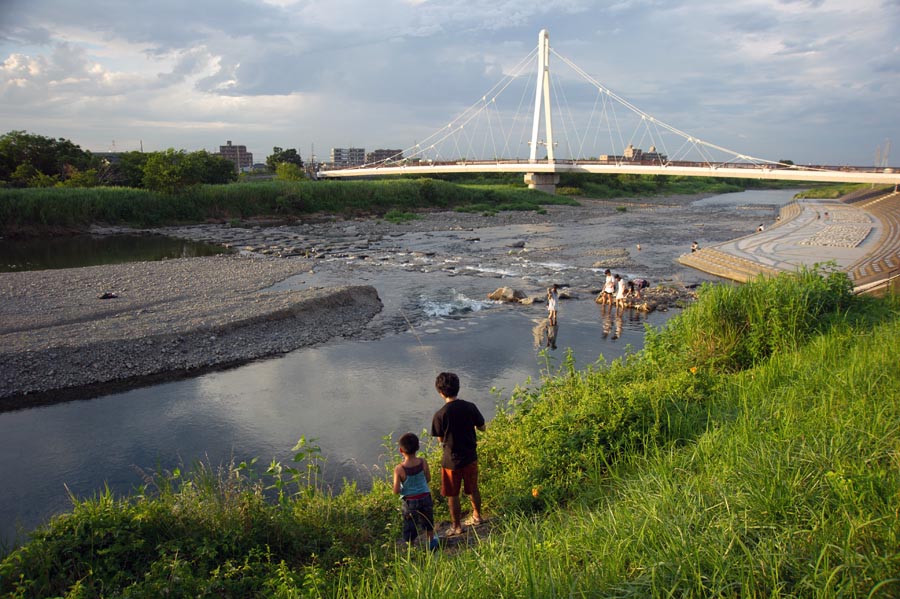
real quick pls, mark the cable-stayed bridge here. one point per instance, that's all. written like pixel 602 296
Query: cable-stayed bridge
pixel 531 123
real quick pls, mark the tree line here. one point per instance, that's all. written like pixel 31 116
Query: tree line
pixel 31 160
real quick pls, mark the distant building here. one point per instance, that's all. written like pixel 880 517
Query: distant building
pixel 348 156
pixel 237 155
pixel 385 156
pixel 638 155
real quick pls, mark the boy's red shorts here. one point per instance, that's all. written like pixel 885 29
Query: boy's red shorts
pixel 466 477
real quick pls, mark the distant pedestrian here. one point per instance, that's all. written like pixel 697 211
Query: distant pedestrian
pixel 454 425
pixel 552 303
pixel 694 247
pixel 760 228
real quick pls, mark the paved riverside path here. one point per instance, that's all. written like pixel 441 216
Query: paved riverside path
pixel 808 232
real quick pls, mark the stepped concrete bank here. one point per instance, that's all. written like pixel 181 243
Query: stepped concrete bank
pixel 860 238
pixel 59 337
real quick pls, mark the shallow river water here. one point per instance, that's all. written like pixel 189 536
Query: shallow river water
pixel 347 395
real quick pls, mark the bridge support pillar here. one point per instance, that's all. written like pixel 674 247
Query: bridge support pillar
pixel 546 182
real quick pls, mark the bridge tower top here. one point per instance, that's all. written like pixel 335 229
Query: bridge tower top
pixel 542 95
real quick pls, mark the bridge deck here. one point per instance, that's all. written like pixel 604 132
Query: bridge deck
pixel 691 169
pixel 862 238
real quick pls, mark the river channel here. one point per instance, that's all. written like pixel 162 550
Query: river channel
pixel 346 395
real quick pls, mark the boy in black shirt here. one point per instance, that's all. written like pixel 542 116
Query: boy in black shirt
pixel 454 426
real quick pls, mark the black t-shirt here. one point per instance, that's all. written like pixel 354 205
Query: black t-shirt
pixel 455 423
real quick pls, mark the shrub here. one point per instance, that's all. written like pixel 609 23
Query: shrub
pixel 734 327
pixel 542 446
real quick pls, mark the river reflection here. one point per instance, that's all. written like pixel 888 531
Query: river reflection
pixel 75 251
pixel 347 395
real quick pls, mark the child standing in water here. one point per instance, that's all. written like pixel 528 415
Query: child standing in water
pixel 620 291
pixel 411 478
pixel 609 288
pixel 552 303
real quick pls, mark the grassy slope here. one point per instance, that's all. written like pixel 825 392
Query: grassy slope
pixel 38 210
pixel 771 471
pixel 791 488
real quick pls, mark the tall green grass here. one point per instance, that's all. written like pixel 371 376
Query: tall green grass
pixel 732 327
pixel 833 191
pixel 757 470
pixel 617 186
pixel 62 207
pixel 41 209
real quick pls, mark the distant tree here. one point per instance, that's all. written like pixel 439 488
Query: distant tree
pixel 42 180
pixel 128 171
pixel 173 171
pixel 22 175
pixel 77 178
pixel 786 162
pixel 203 167
pixel 287 171
pixel 162 171
pixel 216 169
pixel 48 156
pixel 280 155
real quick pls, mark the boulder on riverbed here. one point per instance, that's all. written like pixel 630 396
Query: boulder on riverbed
pixel 506 294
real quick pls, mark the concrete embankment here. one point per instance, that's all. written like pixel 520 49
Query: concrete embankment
pixel 70 332
pixel 861 238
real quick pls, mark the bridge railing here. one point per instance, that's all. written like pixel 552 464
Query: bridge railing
pixel 593 161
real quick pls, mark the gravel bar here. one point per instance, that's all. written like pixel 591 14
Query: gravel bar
pixel 73 332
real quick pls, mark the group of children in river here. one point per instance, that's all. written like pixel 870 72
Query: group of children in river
pixel 619 292
pixel 616 292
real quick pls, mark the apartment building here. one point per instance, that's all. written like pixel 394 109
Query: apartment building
pixel 385 156
pixel 238 155
pixel 348 156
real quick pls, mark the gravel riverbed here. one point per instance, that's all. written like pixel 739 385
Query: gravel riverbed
pixel 167 318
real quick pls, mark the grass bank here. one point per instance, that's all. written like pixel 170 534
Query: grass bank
pixel 598 186
pixel 47 210
pixel 752 449
pixel 838 190
pixel 44 209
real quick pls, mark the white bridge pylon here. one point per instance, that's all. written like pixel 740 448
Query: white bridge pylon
pixel 601 133
pixel 542 91
pixel 542 181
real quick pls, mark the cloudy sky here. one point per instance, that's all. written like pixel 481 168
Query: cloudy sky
pixel 814 81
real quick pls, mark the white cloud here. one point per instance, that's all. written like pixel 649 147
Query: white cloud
pixel 353 72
